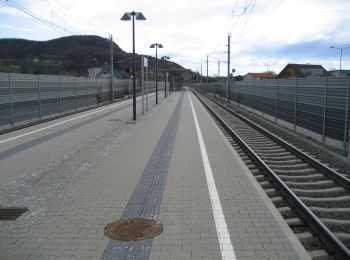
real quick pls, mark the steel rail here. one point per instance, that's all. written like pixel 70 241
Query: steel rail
pixel 341 180
pixel 336 247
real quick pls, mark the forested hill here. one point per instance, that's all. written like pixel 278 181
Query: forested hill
pixel 70 55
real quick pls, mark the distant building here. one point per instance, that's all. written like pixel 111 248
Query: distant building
pixel 104 73
pixel 302 71
pixel 339 73
pixel 258 76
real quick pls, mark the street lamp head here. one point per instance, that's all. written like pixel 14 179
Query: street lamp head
pixel 126 17
pixel 152 45
pixel 138 15
pixel 160 45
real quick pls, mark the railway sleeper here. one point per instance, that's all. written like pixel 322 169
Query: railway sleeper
pixel 296 172
pixel 311 185
pixel 272 145
pixel 330 202
pixel 322 193
pixel 341 226
pixel 294 222
pixel 266 184
pixel 284 162
pixel 286 212
pixel 301 166
pixel 273 153
pixel 344 237
pixel 331 213
pixel 319 255
pixel 307 178
pixel 278 158
pixel 271 193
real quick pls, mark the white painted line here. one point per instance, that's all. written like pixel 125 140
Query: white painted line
pixel 63 122
pixel 226 247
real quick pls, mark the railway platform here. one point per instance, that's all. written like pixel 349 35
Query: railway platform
pixel 176 167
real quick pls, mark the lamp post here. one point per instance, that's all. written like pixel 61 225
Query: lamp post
pixel 156 45
pixel 127 17
pixel 166 72
pixel 341 54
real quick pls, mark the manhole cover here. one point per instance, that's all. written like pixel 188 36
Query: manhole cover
pixel 11 213
pixel 133 229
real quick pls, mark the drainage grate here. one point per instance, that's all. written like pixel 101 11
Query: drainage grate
pixel 133 229
pixel 11 213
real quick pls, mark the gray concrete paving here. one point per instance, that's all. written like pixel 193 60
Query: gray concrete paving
pixel 74 229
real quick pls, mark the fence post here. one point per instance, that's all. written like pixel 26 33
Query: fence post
pixel 11 98
pixel 59 93
pixel 324 112
pixel 39 95
pixel 276 108
pixel 75 94
pixel 87 92
pixel 246 86
pixel 263 98
pixel 295 104
pixel 346 127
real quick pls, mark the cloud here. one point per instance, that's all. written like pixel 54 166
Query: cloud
pixel 274 32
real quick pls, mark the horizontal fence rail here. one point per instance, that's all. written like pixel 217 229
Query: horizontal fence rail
pixel 316 107
pixel 26 99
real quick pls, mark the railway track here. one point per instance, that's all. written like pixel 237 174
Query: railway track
pixel 313 198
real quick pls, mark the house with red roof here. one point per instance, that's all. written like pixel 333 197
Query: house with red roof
pixel 259 76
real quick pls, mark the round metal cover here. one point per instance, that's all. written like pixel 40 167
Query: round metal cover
pixel 133 229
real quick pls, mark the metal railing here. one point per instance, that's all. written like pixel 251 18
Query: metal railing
pixel 316 107
pixel 26 99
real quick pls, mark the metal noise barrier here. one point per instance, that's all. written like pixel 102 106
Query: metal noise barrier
pixel 317 107
pixel 26 99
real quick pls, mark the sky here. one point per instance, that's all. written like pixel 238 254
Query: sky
pixel 265 34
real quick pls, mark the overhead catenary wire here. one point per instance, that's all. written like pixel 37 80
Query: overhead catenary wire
pixel 38 17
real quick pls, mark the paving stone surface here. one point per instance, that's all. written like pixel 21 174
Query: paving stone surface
pixel 75 229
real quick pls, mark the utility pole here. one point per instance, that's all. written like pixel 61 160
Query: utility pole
pixel 218 68
pixel 112 74
pixel 201 73
pixel 207 68
pixel 228 66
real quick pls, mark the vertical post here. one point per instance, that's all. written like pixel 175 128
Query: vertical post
pixel 324 112
pixel 295 105
pixel 346 144
pixel 11 101
pixel 276 109
pixel 75 94
pixel 39 96
pixel 218 68
pixel 263 98
pixel 201 74
pixel 228 66
pixel 101 83
pixel 347 102
pixel 112 70
pixel 166 78
pixel 59 93
pixel 156 73
pixel 147 88
pixel 134 68
pixel 142 85
pixel 246 86
pixel 87 92
pixel 207 69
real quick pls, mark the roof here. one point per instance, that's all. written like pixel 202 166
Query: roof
pixel 264 75
pixel 300 69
